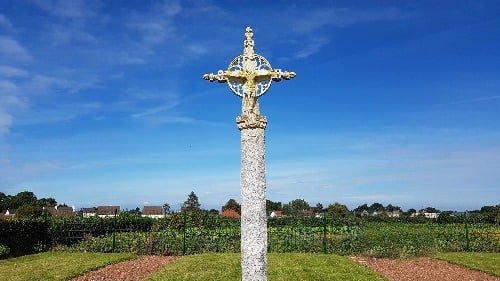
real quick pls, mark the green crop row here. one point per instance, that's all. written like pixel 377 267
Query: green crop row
pixel 373 239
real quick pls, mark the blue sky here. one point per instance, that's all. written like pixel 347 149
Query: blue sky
pixel 103 102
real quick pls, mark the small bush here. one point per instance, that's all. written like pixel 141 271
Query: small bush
pixel 4 251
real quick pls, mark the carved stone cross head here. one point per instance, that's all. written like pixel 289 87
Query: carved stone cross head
pixel 249 76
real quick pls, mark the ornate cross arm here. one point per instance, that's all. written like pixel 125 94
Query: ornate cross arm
pixel 220 77
pixel 277 75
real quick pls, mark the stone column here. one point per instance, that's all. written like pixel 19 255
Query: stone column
pixel 253 203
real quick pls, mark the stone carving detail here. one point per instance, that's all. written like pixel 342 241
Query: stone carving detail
pixel 249 76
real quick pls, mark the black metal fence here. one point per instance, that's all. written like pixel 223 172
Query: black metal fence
pixel 183 234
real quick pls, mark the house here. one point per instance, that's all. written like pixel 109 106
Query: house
pixel 394 214
pixel 107 211
pixel 60 211
pixel 431 215
pixel 230 213
pixel 88 212
pixel 276 214
pixel 10 213
pixel 154 212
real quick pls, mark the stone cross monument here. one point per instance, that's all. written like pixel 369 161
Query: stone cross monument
pixel 249 76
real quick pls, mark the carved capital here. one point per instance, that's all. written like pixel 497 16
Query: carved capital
pixel 250 121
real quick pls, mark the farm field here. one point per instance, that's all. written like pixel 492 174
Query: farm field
pixel 55 266
pixel 282 267
pixel 486 262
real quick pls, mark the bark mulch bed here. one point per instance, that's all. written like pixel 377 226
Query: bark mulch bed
pixel 132 270
pixel 422 269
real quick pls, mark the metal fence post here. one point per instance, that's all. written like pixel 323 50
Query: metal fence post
pixel 184 234
pixel 466 223
pixel 114 232
pixel 324 233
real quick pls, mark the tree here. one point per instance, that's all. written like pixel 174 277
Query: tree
pixel 430 210
pixel 23 198
pixel 377 207
pixel 273 206
pixel 317 209
pixel 166 208
pixel 213 212
pixel 296 207
pixel 4 201
pixel 410 212
pixel 338 210
pixel 391 208
pixel 29 211
pixel 231 204
pixel 191 204
pixel 361 208
pixel 47 202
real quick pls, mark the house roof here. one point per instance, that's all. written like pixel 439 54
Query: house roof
pixel 230 213
pixel 278 213
pixel 89 210
pixel 153 210
pixel 108 210
pixel 60 211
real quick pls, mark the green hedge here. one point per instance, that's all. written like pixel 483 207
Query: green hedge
pixel 24 236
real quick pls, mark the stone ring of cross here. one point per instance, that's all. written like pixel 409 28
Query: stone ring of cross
pixel 261 75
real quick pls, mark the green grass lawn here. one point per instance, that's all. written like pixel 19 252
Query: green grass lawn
pixel 50 266
pixel 486 262
pixel 289 267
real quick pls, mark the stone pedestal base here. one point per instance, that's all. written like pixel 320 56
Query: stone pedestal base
pixel 253 205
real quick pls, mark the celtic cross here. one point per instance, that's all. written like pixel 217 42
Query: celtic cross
pixel 249 76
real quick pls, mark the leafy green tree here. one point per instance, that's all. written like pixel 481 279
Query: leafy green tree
pixel 430 210
pixel 47 202
pixel 297 207
pixel 213 212
pixel 377 207
pixel 29 211
pixel 361 208
pixel 231 204
pixel 410 212
pixel 4 201
pixel 273 206
pixel 23 198
pixel 337 210
pixel 391 208
pixel 318 208
pixel 191 204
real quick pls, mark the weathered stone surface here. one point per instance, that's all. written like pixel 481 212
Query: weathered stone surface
pixel 253 205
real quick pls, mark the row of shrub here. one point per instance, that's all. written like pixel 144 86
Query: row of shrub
pixel 196 233
pixel 372 239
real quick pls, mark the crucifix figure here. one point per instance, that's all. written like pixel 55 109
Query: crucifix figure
pixel 249 76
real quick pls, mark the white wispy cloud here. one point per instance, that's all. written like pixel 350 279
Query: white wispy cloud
pixel 5 123
pixel 75 9
pixel 313 46
pixel 49 84
pixel 68 34
pixel 11 49
pixel 155 25
pixel 9 71
pixel 475 100
pixel 312 26
pixel 5 23
pixel 312 20
pixel 7 87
